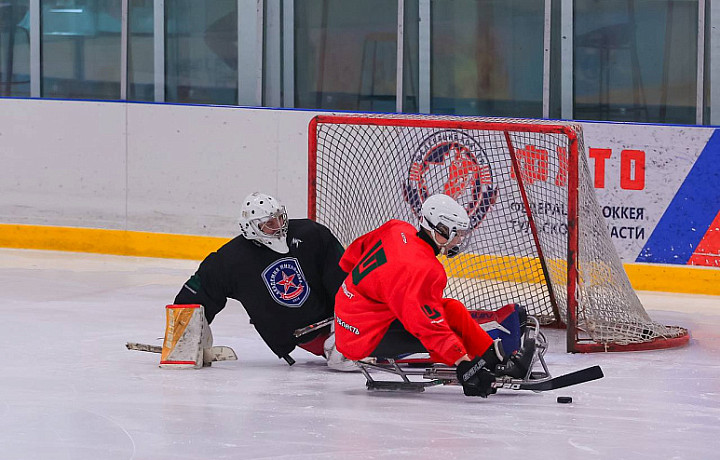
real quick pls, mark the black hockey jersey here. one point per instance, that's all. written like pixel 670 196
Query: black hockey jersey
pixel 280 292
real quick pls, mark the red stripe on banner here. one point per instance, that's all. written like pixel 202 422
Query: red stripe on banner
pixel 707 253
pixel 177 362
pixel 183 306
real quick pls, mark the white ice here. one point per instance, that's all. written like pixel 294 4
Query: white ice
pixel 70 390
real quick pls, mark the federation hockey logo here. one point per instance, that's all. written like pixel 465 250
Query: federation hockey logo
pixel 453 163
pixel 286 282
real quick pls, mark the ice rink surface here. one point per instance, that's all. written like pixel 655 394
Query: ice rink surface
pixel 70 390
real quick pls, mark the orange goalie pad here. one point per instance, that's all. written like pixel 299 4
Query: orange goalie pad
pixel 186 334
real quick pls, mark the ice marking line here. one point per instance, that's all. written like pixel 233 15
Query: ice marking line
pixel 585 448
pixel 129 436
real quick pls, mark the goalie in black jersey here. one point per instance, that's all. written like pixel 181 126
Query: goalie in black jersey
pixel 284 272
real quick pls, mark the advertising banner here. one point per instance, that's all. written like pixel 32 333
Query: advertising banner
pixel 659 189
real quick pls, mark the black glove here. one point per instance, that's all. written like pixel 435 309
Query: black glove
pixel 475 378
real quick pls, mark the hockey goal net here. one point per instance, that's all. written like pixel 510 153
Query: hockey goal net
pixel 538 236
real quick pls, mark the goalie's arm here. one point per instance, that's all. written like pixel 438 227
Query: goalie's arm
pixel 206 287
pixel 333 275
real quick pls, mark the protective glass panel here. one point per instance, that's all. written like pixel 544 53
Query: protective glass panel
pixel 345 55
pixel 14 48
pixel 80 44
pixel 487 57
pixel 201 51
pixel 636 60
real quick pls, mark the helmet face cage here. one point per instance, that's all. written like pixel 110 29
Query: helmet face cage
pixel 448 233
pixel 450 247
pixel 443 216
pixel 264 219
pixel 273 226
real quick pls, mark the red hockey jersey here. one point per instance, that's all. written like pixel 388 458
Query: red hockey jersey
pixel 393 274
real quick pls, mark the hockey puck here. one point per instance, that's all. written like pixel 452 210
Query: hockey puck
pixel 564 399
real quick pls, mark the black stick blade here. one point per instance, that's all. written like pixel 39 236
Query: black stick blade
pixel 573 378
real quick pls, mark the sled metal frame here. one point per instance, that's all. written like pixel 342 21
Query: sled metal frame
pixel 440 374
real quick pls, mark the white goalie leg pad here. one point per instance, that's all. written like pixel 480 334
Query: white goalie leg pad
pixel 187 334
pixel 335 360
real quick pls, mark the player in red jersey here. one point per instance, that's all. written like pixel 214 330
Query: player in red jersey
pixel 392 297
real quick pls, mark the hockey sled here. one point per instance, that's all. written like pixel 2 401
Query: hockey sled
pixel 409 368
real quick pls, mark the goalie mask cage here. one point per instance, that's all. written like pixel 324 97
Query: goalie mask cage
pixel 538 237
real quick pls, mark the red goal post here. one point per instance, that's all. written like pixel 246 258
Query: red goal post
pixel 538 237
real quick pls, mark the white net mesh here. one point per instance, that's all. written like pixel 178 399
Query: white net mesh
pixel 377 168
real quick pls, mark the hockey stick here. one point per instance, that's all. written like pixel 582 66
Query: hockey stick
pixel 143 347
pixel 308 329
pixel 574 378
pixel 447 376
pixel 211 354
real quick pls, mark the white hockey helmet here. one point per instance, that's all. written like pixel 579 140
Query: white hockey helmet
pixel 264 219
pixel 441 215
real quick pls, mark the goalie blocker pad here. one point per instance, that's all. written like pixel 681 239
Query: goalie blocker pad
pixel 507 324
pixel 187 334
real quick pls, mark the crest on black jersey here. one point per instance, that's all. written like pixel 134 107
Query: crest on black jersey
pixel 286 282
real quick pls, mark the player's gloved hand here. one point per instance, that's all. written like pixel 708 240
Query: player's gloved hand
pixel 475 378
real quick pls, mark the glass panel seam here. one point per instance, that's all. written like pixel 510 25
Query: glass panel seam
pixel 159 49
pixel 567 71
pixel 424 57
pixel 288 52
pixel 124 50
pixel 35 55
pixel 714 71
pixel 700 90
pixel 546 60
pixel 400 54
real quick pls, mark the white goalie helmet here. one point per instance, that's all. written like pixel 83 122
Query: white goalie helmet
pixel 441 215
pixel 264 219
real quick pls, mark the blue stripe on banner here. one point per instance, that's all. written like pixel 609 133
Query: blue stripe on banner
pixel 690 213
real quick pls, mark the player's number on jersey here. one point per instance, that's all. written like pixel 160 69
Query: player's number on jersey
pixel 431 312
pixel 372 260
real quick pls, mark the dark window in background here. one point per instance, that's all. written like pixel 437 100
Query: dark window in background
pixel 635 60
pixel 345 55
pixel 80 49
pixel 14 48
pixel 201 51
pixel 487 57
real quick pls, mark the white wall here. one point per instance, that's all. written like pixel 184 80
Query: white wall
pixel 184 169
pixel 63 163
pixel 146 167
